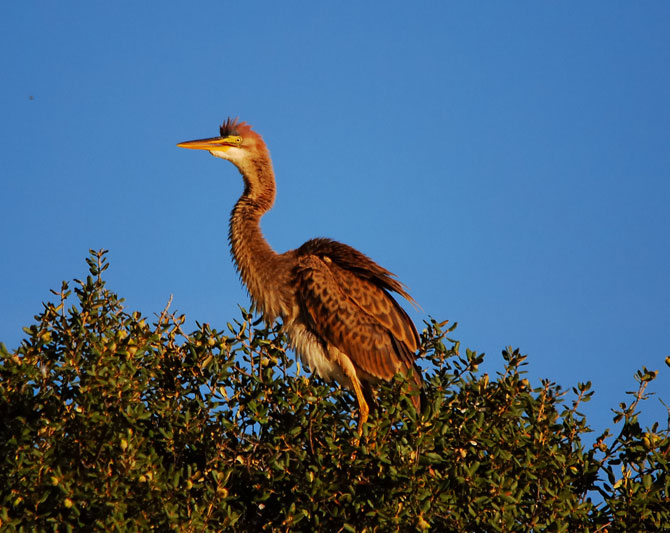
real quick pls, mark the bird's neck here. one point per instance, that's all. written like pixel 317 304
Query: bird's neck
pixel 258 264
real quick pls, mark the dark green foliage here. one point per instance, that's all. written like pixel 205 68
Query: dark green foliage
pixel 111 423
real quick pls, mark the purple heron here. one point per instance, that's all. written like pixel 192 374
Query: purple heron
pixel 334 302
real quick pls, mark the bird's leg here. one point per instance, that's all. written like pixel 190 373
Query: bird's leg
pixel 349 370
pixel 363 408
pixel 364 412
pixel 371 402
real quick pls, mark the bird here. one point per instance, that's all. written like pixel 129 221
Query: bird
pixel 334 302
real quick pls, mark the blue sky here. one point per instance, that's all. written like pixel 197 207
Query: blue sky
pixel 509 162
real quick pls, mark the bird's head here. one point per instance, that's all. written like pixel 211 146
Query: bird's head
pixel 237 143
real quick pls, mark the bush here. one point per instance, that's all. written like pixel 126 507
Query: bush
pixel 112 423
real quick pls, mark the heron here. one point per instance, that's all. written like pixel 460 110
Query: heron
pixel 334 302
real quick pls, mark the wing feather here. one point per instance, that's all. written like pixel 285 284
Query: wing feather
pixel 344 294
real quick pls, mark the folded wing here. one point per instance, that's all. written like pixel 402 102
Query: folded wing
pixel 345 296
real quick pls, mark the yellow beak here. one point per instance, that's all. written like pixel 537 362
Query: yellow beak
pixel 213 143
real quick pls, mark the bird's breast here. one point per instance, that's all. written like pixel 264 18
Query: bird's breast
pixel 314 354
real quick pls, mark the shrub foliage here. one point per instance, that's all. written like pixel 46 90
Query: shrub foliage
pixel 112 421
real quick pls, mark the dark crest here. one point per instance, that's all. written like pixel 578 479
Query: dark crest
pixel 232 126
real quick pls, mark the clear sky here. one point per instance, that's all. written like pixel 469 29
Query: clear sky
pixel 509 161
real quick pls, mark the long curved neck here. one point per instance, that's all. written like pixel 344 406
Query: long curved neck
pixel 258 264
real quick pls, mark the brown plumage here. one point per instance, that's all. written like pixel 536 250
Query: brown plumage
pixel 334 301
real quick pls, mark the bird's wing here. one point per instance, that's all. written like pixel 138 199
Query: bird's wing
pixel 351 259
pixel 350 309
